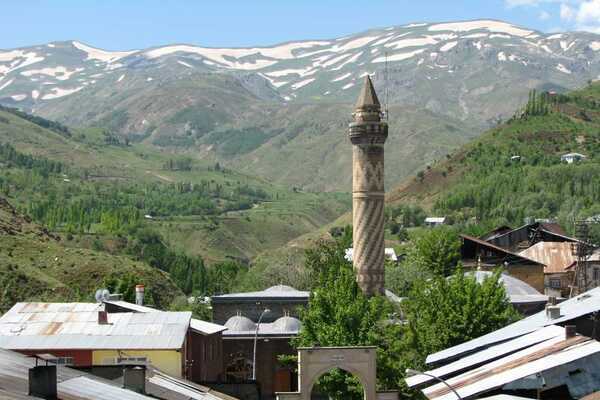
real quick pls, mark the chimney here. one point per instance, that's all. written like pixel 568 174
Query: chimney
pixel 552 300
pixel 102 317
pixel 134 379
pixel 570 331
pixel 139 295
pixel 42 382
pixel 552 312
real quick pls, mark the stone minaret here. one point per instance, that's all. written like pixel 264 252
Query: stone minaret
pixel 368 134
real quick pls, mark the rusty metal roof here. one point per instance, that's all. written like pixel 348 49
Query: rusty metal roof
pixel 574 353
pixel 556 256
pixel 41 326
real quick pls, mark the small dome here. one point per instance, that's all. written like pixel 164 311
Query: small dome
pixel 287 324
pixel 238 323
pixel 281 288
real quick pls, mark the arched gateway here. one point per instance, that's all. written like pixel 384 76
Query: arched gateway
pixel 313 362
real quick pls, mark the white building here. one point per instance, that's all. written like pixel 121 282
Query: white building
pixel 570 158
pixel 435 221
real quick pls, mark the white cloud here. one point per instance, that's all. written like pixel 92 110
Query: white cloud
pixel 519 3
pixel 589 13
pixel 544 15
pixel 566 12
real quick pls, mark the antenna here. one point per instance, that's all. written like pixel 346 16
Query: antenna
pixel 102 295
pixel 386 111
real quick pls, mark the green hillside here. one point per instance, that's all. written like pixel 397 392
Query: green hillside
pixel 35 264
pixel 176 213
pixel 514 171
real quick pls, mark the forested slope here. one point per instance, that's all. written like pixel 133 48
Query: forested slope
pixel 514 171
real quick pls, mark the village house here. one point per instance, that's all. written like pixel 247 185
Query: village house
pixel 435 221
pixel 526 236
pixel 479 255
pixel 558 259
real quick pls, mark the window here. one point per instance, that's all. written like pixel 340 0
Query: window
pixel 597 274
pixel 126 360
pixel 64 361
pixel 555 283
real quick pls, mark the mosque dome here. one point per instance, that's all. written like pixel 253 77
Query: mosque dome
pixel 238 323
pixel 287 324
pixel 280 288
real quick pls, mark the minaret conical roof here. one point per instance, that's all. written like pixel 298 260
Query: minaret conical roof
pixel 367 97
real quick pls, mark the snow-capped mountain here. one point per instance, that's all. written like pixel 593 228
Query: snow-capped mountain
pixel 468 74
pixel 310 70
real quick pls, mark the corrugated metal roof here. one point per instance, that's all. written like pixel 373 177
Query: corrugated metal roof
pixel 575 307
pixel 86 388
pixel 489 354
pixel 530 361
pixel 556 256
pixel 390 254
pixel 38 326
pixel 203 327
pixel 496 248
pixel 184 389
pixel 274 292
pixel 72 384
pixel 518 291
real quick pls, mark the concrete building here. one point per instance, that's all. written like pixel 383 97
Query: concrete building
pixel 204 344
pixel 280 300
pixel 272 340
pixel 368 135
pixel 390 254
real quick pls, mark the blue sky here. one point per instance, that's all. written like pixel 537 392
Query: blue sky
pixel 132 24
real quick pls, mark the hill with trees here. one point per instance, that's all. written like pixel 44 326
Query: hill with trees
pixel 514 171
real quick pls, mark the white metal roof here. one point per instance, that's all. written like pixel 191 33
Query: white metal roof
pixel 575 307
pixel 186 389
pixel 435 220
pixel 86 388
pixel 532 360
pixel 488 354
pixel 517 290
pixel 39 326
pixel 203 327
pixel 278 291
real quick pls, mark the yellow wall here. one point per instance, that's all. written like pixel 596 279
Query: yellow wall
pixel 168 361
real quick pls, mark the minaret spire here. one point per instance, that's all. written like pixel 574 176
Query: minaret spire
pixel 368 135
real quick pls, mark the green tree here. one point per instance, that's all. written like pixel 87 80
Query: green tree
pixel 436 250
pixel 340 315
pixel 444 312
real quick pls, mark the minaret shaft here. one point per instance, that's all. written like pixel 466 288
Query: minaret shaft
pixel 368 134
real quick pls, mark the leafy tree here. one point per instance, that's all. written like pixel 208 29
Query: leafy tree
pixel 443 312
pixel 436 250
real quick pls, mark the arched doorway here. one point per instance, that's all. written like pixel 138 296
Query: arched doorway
pixel 337 384
pixel 314 362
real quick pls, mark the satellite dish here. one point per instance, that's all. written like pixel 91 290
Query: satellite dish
pixel 102 295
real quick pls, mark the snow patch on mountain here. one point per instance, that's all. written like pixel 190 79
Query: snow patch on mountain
pixel 184 64
pixel 489 25
pixel 101 55
pixel 60 92
pixel 5 84
pixel 448 46
pixel 303 83
pixel 398 57
pixel 563 69
pixel 342 77
pixel 61 73
pixel 18 97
